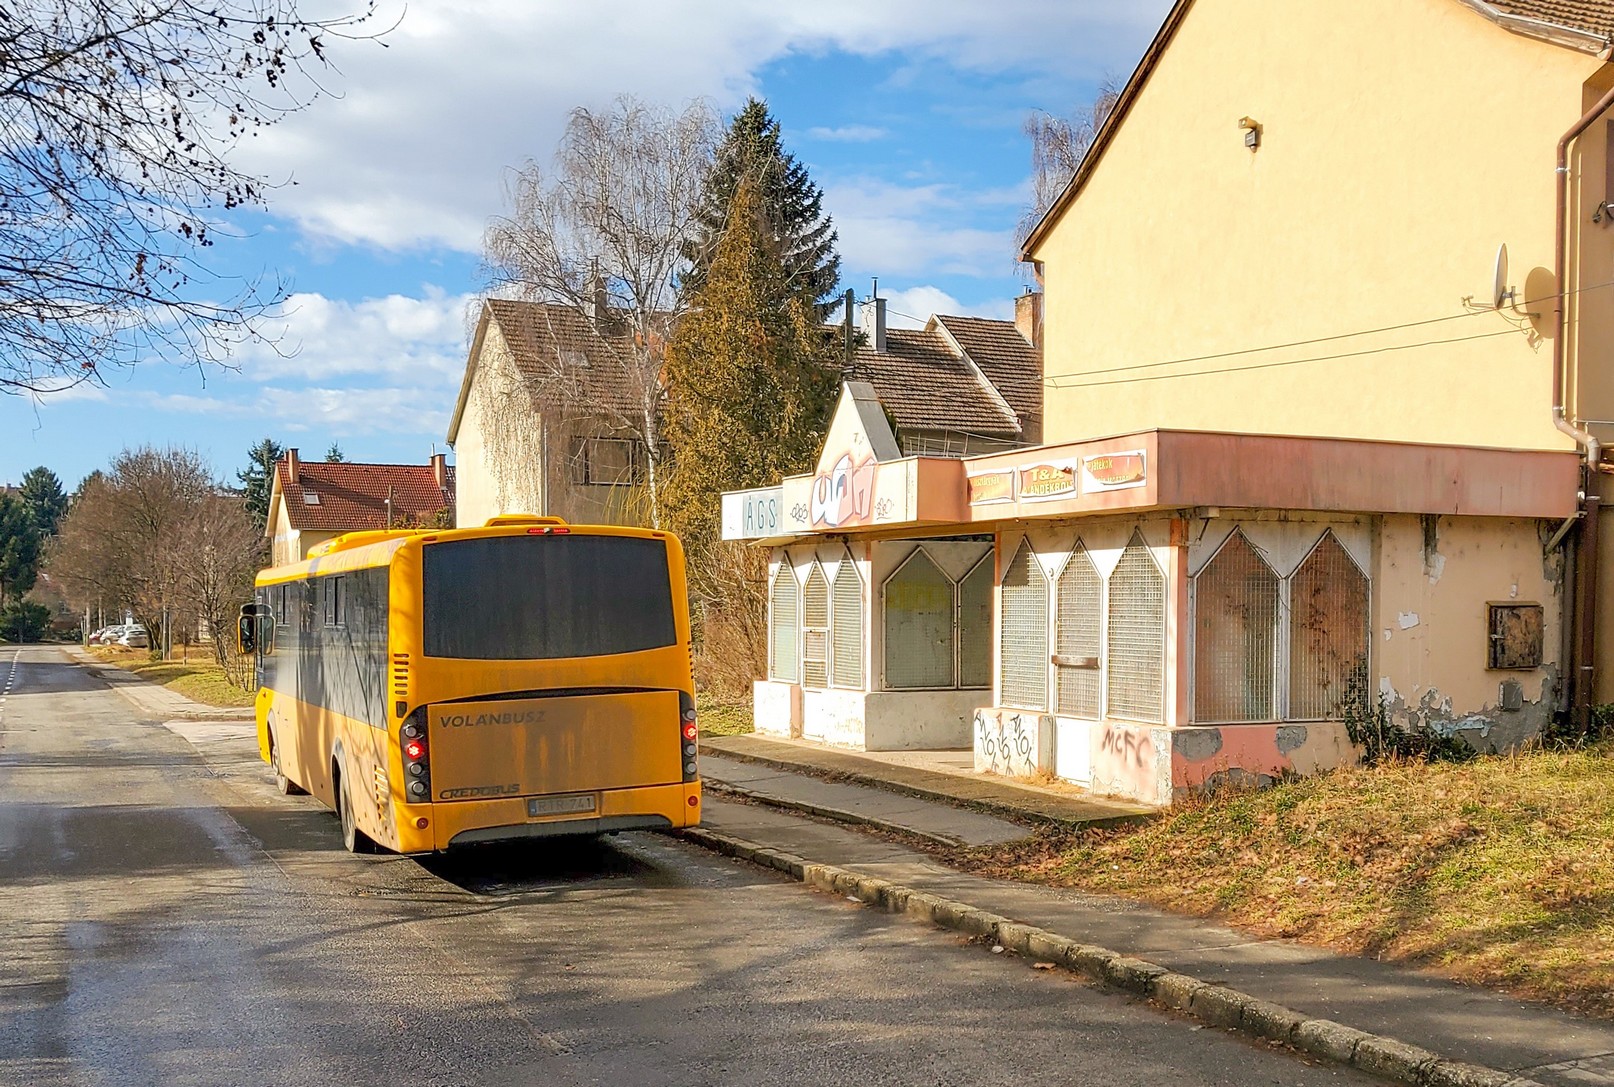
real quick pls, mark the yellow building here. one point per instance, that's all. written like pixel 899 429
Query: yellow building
pixel 1317 413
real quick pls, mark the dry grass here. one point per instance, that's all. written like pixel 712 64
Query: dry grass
pixel 1498 871
pixel 723 718
pixel 199 678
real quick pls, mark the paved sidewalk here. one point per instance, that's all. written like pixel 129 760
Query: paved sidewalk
pixel 152 700
pixel 859 804
pixel 946 776
pixel 1454 1020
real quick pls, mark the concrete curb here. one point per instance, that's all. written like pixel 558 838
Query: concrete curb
pixel 839 815
pixel 1215 1005
pixel 1001 809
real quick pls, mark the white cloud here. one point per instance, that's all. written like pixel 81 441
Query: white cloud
pixel 914 306
pixel 413 150
pixel 319 339
pixel 847 133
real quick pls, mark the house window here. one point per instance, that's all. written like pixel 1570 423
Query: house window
pixel 1328 632
pixel 975 625
pixel 1235 636
pixel 1136 646
pixel 846 649
pixel 782 613
pixel 815 629
pixel 919 607
pixel 1077 636
pixel 1024 651
pixel 606 462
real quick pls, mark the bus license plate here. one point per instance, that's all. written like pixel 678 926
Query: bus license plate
pixel 560 805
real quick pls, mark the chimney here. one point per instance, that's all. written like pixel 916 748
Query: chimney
pixel 440 470
pixel 1028 317
pixel 291 465
pixel 874 323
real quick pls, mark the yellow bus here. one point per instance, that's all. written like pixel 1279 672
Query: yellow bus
pixel 437 688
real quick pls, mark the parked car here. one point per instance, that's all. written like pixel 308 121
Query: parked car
pixel 134 637
pixel 106 635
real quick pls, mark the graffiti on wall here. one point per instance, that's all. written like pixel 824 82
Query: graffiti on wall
pixel 1012 743
pixel 844 495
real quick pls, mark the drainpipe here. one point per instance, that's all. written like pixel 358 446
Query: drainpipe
pixel 1585 623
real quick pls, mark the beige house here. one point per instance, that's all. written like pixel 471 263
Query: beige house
pixel 544 419
pixel 311 502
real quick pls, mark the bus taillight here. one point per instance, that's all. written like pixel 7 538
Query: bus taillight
pixel 417 770
pixel 689 746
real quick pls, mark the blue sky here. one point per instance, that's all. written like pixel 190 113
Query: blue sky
pixel 907 113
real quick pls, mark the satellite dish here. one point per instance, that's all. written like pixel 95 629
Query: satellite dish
pixel 1500 292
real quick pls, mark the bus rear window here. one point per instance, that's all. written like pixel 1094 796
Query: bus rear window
pixel 542 597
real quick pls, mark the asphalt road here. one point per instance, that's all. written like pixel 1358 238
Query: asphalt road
pixel 167 919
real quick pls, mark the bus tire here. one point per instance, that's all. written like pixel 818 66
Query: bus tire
pixel 283 784
pixel 354 840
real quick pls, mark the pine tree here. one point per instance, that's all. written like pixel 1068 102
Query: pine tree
pixel 42 493
pixel 334 455
pixel 794 214
pixel 19 549
pixel 751 375
pixel 256 479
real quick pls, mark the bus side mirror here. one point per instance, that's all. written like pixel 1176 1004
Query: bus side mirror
pixel 266 631
pixel 246 629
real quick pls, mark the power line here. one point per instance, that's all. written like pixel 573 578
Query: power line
pixel 1288 362
pixel 1050 379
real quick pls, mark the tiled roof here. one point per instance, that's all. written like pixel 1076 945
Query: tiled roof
pixel 351 497
pixel 557 344
pixel 1008 361
pixel 924 383
pixel 1592 16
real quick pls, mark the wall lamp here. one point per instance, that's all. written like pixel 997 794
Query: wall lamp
pixel 1252 132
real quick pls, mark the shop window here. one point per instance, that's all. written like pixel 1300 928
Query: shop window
pixel 1328 631
pixel 919 610
pixel 1235 636
pixel 815 629
pixel 975 626
pixel 1077 642
pixel 1517 634
pixel 846 650
pixel 782 613
pixel 1024 651
pixel 1136 646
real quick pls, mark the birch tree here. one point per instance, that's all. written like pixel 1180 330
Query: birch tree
pixel 1058 145
pixel 602 232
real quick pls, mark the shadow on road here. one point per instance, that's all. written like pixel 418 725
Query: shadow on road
pixel 513 868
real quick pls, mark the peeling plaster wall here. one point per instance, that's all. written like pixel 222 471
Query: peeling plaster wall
pixel 1433 579
pixel 1255 755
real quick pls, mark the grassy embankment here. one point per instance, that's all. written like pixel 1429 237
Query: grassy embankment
pixel 1498 871
pixel 200 677
pixel 723 718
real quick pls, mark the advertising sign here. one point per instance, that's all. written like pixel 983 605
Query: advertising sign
pixel 1114 471
pixel 991 487
pixel 1043 481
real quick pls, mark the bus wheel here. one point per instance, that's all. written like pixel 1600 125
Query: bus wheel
pixel 354 840
pixel 283 784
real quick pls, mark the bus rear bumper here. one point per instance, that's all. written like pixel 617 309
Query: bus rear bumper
pixel 562 829
pixel 462 822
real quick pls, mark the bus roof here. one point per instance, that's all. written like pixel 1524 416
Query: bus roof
pixel 376 547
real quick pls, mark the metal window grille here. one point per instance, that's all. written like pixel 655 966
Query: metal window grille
pixel 846 649
pixel 1136 647
pixel 1235 636
pixel 975 626
pixel 918 615
pixel 1024 651
pixel 1328 630
pixel 1077 636
pixel 815 629
pixel 782 612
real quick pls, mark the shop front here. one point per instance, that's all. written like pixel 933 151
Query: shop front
pixel 1160 611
